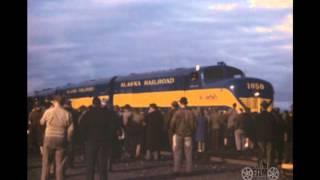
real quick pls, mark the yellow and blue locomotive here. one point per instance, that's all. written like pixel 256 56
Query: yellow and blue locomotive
pixel 209 86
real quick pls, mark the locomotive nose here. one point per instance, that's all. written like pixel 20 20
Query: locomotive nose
pixel 251 87
pixel 251 92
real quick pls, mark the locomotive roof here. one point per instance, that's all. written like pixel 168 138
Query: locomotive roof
pixel 172 73
pixel 45 92
pixel 133 76
pixel 157 74
pixel 86 83
pixel 50 91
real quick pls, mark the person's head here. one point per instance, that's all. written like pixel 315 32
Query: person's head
pixel 58 100
pixel 184 101
pixel 201 112
pixel 116 108
pixel 174 105
pixel 234 105
pixel 264 106
pixel 36 105
pixel 277 110
pixel 96 102
pixel 248 110
pixel 82 108
pixel 127 107
pixel 153 107
pixel 241 110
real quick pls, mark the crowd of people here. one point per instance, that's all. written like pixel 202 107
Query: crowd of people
pixel 101 134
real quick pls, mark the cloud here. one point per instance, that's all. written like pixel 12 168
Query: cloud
pixel 112 3
pixel 223 7
pixel 283 105
pixel 285 26
pixel 72 41
pixel 263 30
pixel 286 47
pixel 270 4
pixel 51 47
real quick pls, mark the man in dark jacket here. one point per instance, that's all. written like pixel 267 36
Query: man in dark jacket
pixel 278 142
pixel 167 120
pixel 154 133
pixel 249 128
pixel 288 135
pixel 183 126
pixel 135 132
pixel 96 132
pixel 36 131
pixel 265 131
pixel 118 146
pixel 74 142
pixel 115 131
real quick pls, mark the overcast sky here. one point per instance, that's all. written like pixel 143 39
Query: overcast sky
pixel 75 40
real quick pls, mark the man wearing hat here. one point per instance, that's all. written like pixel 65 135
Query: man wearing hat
pixel 58 134
pixel 126 115
pixel 96 132
pixel 153 130
pixel 183 126
pixel 265 134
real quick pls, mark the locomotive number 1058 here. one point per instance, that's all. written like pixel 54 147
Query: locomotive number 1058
pixel 255 86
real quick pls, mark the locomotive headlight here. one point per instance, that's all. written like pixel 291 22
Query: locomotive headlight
pixel 232 87
pixel 256 94
pixel 197 67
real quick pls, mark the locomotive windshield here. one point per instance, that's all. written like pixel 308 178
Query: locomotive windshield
pixel 213 74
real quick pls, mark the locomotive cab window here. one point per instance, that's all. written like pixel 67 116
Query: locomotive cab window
pixel 194 76
pixel 213 74
pixel 237 76
pixel 233 73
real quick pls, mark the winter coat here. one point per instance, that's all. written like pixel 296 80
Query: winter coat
pixel 154 130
